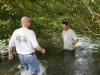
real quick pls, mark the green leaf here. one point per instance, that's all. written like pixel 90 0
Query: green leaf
pixel 92 0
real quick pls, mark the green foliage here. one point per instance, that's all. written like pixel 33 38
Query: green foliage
pixel 47 15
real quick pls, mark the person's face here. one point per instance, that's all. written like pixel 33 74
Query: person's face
pixel 28 24
pixel 64 27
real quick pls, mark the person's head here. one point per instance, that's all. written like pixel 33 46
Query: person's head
pixel 65 25
pixel 25 21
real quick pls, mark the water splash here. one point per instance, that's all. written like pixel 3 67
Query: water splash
pixel 86 43
pixel 3 51
pixel 18 69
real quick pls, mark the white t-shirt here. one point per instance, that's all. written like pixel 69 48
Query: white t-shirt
pixel 24 40
pixel 68 37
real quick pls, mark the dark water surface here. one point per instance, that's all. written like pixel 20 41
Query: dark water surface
pixel 85 60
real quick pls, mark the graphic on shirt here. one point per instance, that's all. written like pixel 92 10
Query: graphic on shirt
pixel 21 39
pixel 25 38
pixel 18 38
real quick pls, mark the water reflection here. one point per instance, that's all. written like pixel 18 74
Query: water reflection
pixel 68 56
pixel 84 63
pixel 79 62
pixel 85 60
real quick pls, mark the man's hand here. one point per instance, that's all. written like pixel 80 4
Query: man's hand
pixel 43 51
pixel 58 40
pixel 71 45
pixel 10 56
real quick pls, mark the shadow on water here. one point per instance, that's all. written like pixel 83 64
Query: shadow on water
pixel 83 61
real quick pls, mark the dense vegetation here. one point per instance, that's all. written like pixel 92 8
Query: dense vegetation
pixel 47 15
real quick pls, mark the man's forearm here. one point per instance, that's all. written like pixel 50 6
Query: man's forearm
pixel 10 52
pixel 9 49
pixel 75 41
pixel 38 48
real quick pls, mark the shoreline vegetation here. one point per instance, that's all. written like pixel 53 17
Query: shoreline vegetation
pixel 46 16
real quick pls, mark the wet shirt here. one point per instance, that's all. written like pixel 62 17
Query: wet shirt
pixel 24 40
pixel 68 37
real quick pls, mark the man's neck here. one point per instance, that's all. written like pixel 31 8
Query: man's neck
pixel 66 29
pixel 24 26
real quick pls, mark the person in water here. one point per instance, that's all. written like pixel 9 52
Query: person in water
pixel 26 43
pixel 69 37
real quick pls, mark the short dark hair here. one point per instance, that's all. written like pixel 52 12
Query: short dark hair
pixel 66 23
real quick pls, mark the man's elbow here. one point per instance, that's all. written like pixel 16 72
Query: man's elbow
pixel 37 48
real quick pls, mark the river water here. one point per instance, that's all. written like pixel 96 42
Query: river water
pixel 85 60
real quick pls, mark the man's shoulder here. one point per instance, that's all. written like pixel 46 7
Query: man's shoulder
pixel 31 30
pixel 71 30
pixel 16 30
pixel 26 30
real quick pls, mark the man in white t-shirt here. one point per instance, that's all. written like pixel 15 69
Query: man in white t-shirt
pixel 26 43
pixel 69 37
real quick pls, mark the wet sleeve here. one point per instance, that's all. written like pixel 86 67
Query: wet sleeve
pixel 74 36
pixel 12 41
pixel 33 39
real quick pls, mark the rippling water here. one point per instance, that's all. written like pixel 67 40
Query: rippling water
pixel 85 60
